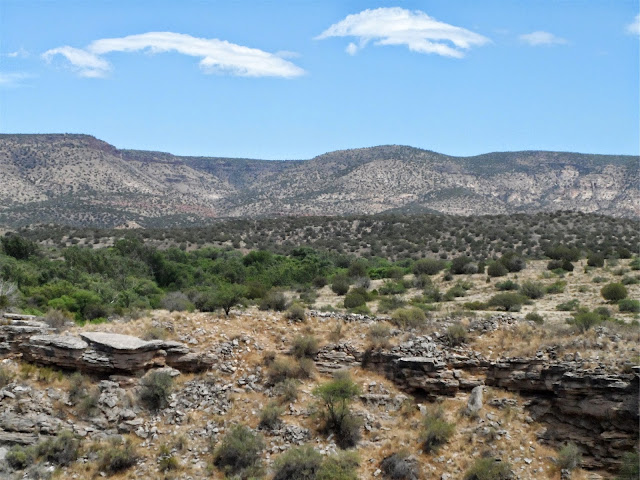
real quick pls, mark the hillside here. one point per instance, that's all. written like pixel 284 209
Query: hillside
pixel 80 180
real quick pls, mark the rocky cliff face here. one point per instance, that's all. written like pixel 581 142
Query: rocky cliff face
pixel 80 180
pixel 596 409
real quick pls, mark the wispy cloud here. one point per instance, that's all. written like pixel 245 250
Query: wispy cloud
pixel 20 53
pixel 216 56
pixel 13 79
pixel 540 38
pixel 398 26
pixel 634 27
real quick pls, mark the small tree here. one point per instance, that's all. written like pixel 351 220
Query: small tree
pixel 156 388
pixel 614 292
pixel 228 296
pixel 239 452
pixel 511 302
pixel 340 284
pixel 298 463
pixel 336 396
pixel 428 266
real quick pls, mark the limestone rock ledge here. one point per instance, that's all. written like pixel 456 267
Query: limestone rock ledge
pixel 96 352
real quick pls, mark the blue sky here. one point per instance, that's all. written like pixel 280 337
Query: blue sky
pixel 284 79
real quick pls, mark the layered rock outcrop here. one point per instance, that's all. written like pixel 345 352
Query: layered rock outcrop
pixel 96 352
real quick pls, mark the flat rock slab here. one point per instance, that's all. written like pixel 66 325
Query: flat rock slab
pixel 116 341
pixel 66 342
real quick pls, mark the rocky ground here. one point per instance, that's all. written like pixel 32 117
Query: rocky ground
pixel 515 390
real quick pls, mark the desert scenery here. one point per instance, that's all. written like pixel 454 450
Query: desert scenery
pixel 329 240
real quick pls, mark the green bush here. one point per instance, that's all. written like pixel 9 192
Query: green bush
pixel 568 306
pixel 507 285
pixel 397 466
pixel 340 284
pixel 338 419
pixel 341 466
pixel 61 450
pixel 497 269
pixel 584 320
pixel 305 346
pixel 166 461
pixel 458 265
pixel 629 306
pixel 274 300
pixel 456 335
pixel 287 390
pixel 510 302
pixel 635 264
pixel 354 300
pixel 155 390
pixel 5 377
pixel 475 305
pixel 296 313
pixel 569 458
pixel 117 457
pixel 378 335
pixel 239 453
pixel 435 431
pixel 282 369
pixel 270 417
pixel 428 266
pixel 298 463
pixel 534 317
pixel 630 468
pixel 392 288
pixel 556 287
pixel 388 304
pixel 614 292
pixel 408 317
pixel 595 260
pixel 489 469
pixel 532 290
pixel 19 457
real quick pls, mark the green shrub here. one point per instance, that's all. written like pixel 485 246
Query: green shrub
pixel 155 390
pixel 569 458
pixel 489 469
pixel 629 306
pixel 176 302
pixel 585 320
pixel 507 285
pixel 555 287
pixel 354 299
pixel 378 335
pixel 270 417
pixel 497 269
pixel 397 466
pixel 455 291
pixel 117 457
pixel 239 452
pixel 5 377
pixel 435 432
pixel 510 302
pixel 475 305
pixel 568 306
pixel 61 450
pixel 428 266
pixel 338 419
pixel 388 304
pixel 595 260
pixel 319 281
pixel 534 317
pixel 456 335
pixel 392 288
pixel 19 457
pixel 532 290
pixel 635 264
pixel 305 346
pixel 458 265
pixel 282 369
pixel 630 468
pixel 287 390
pixel 422 281
pixel 340 284
pixel 274 300
pixel 408 317
pixel 296 312
pixel 341 466
pixel 166 461
pixel 614 292
pixel 298 463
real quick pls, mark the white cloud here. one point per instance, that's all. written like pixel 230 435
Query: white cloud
pixel 20 53
pixel 540 38
pixel 85 63
pixel 13 79
pixel 216 56
pixel 634 27
pixel 398 26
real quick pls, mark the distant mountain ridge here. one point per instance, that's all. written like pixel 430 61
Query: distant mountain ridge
pixel 80 180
